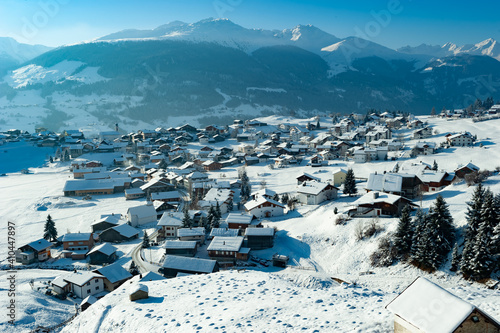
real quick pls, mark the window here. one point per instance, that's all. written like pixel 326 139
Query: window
pixel 70 243
pixel 475 319
pixel 97 288
pixel 80 243
pixel 96 280
pixel 88 283
pixel 88 291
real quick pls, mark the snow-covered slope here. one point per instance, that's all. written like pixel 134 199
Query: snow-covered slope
pixel 488 47
pixel 10 48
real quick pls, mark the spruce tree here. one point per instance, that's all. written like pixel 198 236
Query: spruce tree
pixel 404 233
pixel 284 198
pixel 418 230
pixel 210 215
pixel 145 240
pixel 473 215
pixel 435 166
pixel 49 230
pixel 443 231
pixel 350 183
pixel 276 197
pixel 133 269
pixel 186 220
pixel 455 259
pixel 217 210
pixel 482 263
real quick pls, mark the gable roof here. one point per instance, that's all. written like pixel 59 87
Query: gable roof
pixel 220 243
pixel 125 230
pixel 104 248
pixel 261 200
pixel 438 309
pixel 80 278
pixel 313 188
pixel 239 218
pixel 259 232
pixel 142 211
pixel 171 219
pixel 114 273
pixel 189 264
pixel 85 236
pixel 39 245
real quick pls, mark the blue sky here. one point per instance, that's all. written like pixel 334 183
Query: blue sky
pixel 393 23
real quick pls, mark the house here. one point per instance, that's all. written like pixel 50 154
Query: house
pixel 119 233
pixel 174 197
pixel 105 222
pixel 264 207
pixel 239 220
pixel 82 284
pixel 435 180
pixel 114 275
pixel 35 251
pixel 263 193
pixel 223 232
pixel 314 193
pixel 211 165
pixel 151 276
pixel 96 186
pixel 463 170
pixel 339 176
pixel 426 307
pixel 157 185
pixel 77 245
pixel 172 265
pixel 226 250
pixel 377 204
pixel 404 184
pixel 192 234
pixel 141 215
pixel 424 148
pixel 170 223
pixel 259 238
pixel 422 133
pixel 460 139
pixel 104 253
pixel 181 248
pixel 134 193
pixel 214 196
pixel 306 177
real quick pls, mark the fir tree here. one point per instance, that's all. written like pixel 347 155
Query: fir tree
pixel 404 233
pixel 230 204
pixel 350 183
pixel 133 269
pixel 284 198
pixel 276 197
pixel 455 259
pixel 186 220
pixel 418 229
pixel 443 231
pixel 435 166
pixel 49 230
pixel 473 215
pixel 145 240
pixel 210 215
pixel 217 210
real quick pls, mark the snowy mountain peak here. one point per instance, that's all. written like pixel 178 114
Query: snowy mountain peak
pixel 17 52
pixel 488 47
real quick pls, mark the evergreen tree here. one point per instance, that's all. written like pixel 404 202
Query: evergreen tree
pixel 404 233
pixel 49 230
pixel 230 204
pixel 210 215
pixel 396 168
pixel 350 183
pixel 284 198
pixel 443 231
pixel 133 269
pixel 145 240
pixel 186 220
pixel 455 259
pixel 276 197
pixel 215 221
pixel 51 160
pixel 335 210
pixel 473 214
pixel 217 210
pixel 435 166
pixel 433 111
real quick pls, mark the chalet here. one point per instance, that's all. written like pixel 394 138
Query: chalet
pixel 404 184
pixel 214 196
pixel 114 275
pixel 173 197
pixel 181 248
pixel 170 223
pixel 77 245
pixel 157 185
pixel 172 265
pixel 226 250
pixel 211 165
pixel 460 139
pixel 192 234
pixel 119 233
pixel 134 193
pixel 105 223
pixel 339 176
pixel 463 170
pixel 424 148
pixel 35 251
pixel 223 232
pixel 422 133
pixel 239 221
pixel 259 238
pixel 264 207
pixel 377 204
pixel 104 253
pixel 78 173
pixel 82 284
pixel 141 215
pixel 435 180
pixel 314 193
pixel 263 193
pixel 162 207
pixel 95 186
pixel 438 311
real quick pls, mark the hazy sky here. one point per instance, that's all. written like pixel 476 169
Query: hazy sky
pixel 393 23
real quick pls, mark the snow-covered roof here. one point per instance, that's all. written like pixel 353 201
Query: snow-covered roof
pixel 186 232
pixel 85 236
pixel 469 166
pixel 431 176
pixel 126 230
pixel 138 287
pixel 104 248
pixel 376 197
pixel 226 244
pixel 151 276
pixel 239 218
pixel 92 184
pixel 114 273
pixel 133 190
pixel 225 232
pixel 80 278
pixel 142 211
pixel 430 308
pixel 259 232
pixel 261 200
pixel 59 282
pixel 165 195
pixel 264 192
pixel 189 264
pixel 179 245
pixel 339 170
pixel 313 188
pixel 89 300
pixel 171 219
pixel 39 245
pixel 385 182
pixel 310 176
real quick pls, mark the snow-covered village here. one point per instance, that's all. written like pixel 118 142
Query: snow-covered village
pixel 332 223
pixel 249 166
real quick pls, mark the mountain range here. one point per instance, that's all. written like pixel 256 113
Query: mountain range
pixel 214 68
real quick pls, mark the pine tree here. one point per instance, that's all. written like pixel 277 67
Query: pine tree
pixel 49 230
pixel 435 166
pixel 443 231
pixel 210 215
pixel 473 215
pixel 230 204
pixel 418 230
pixel 217 210
pixel 133 269
pixel 145 240
pixel 455 259
pixel 350 183
pixel 186 220
pixel 284 198
pixel 276 197
pixel 404 233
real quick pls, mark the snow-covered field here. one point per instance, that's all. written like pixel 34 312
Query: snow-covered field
pixel 267 299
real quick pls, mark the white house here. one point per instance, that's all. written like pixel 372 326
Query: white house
pixel 82 284
pixel 264 207
pixel 217 195
pixel 141 215
pixel 314 193
pixel 170 223
pixel 460 139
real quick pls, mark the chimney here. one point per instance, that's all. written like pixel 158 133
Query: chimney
pixel 375 195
